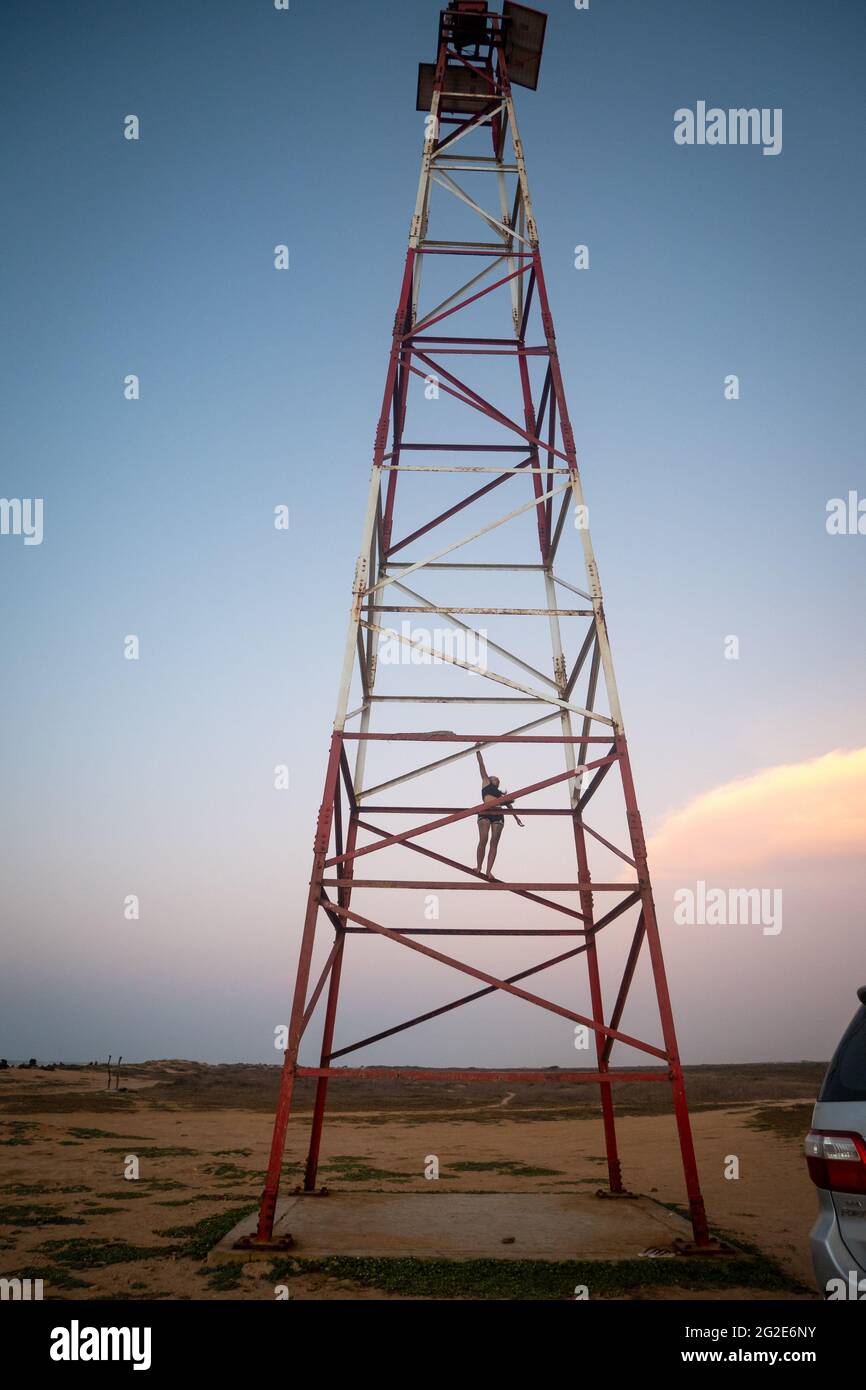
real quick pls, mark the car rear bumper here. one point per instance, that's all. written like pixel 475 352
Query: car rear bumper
pixel 831 1258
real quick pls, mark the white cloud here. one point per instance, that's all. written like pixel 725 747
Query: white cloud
pixel 796 811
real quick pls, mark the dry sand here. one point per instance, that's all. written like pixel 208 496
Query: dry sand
pixel 64 1140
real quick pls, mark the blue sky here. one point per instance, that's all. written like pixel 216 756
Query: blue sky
pixel 259 388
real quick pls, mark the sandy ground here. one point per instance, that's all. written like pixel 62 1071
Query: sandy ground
pixel 71 1165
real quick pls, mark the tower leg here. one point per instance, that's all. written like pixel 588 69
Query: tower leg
pixel 312 1165
pixel 268 1206
pixel 327 1037
pixel 607 1109
pixel 681 1110
pixel 344 896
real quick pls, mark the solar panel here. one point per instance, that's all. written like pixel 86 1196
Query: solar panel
pixel 524 41
pixel 426 76
pixel 463 90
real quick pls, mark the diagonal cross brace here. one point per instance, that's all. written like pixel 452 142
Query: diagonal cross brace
pixel 457 545
pixel 489 989
pixel 444 181
pixel 467 868
pixel 482 636
pixel 460 965
pixel 470 811
pixel 458 1003
pixel 541 696
pixel 458 507
pixel 451 758
pixel 478 403
pixel 480 118
pixel 442 312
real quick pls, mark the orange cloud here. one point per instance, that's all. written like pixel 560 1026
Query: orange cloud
pixel 803 810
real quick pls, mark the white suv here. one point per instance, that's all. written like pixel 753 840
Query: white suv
pixel 836 1155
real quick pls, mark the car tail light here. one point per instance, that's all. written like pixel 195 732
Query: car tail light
pixel 836 1160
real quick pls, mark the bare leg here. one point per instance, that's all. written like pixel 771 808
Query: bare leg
pixel 495 833
pixel 483 832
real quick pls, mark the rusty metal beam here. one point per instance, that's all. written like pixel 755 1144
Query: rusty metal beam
pixel 477 974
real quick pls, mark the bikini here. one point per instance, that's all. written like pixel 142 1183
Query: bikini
pixel 495 817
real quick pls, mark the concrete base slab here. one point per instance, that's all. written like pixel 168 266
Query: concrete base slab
pixel 463 1226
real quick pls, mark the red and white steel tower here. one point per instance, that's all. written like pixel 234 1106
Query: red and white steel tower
pixel 450 358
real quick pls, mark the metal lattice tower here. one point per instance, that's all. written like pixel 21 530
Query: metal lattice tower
pixel 456 286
